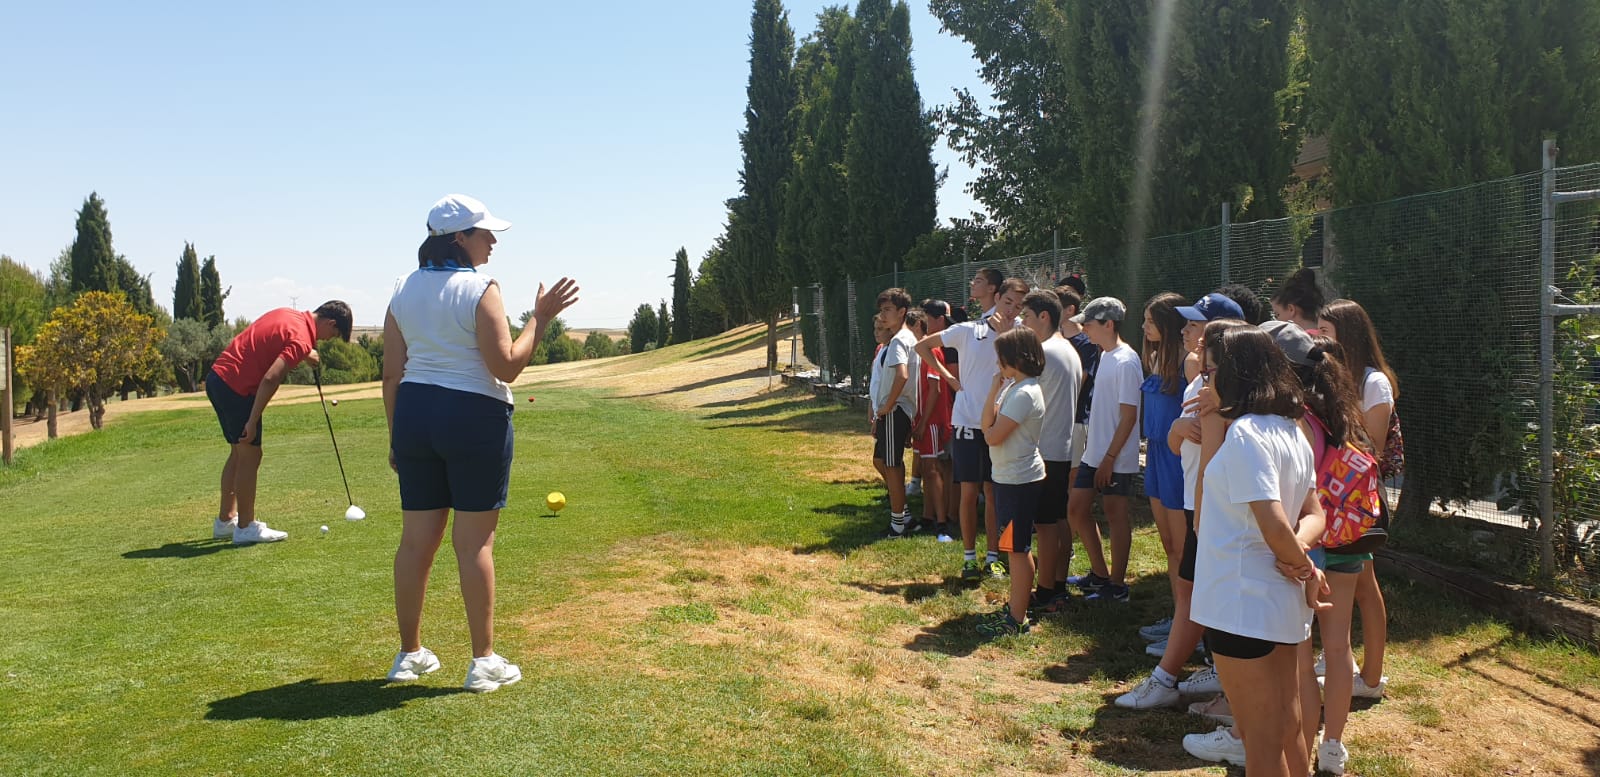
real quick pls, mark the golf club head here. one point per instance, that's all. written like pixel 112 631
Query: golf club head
pixel 354 513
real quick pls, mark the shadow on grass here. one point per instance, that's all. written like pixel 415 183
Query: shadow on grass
pixel 1502 655
pixel 313 700
pixel 189 549
pixel 729 346
pixel 859 525
pixel 707 383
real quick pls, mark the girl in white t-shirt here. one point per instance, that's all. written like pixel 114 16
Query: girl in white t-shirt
pixel 1348 324
pixel 1255 587
pixel 1013 417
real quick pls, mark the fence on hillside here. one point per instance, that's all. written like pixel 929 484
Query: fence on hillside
pixel 1484 298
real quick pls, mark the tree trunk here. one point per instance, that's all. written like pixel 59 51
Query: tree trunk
pixel 50 425
pixel 772 340
pixel 97 409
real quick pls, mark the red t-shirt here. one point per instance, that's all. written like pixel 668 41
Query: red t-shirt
pixel 938 399
pixel 285 332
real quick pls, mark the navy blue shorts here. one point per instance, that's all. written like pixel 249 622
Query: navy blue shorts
pixel 1015 504
pixel 1121 482
pixel 232 410
pixel 451 448
pixel 970 454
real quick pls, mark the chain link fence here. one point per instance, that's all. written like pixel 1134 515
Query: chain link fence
pixel 1452 283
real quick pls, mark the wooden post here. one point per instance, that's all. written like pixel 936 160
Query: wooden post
pixel 5 395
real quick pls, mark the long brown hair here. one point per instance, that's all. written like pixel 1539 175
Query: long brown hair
pixel 1332 395
pixel 1253 375
pixel 1359 339
pixel 1166 358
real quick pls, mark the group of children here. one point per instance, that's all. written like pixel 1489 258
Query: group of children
pixel 1039 406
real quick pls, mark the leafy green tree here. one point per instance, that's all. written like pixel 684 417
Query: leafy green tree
pixel 187 301
pixel 22 300
pixel 187 347
pixel 681 283
pixel 663 325
pixel 91 347
pixel 759 280
pixel 211 293
pixel 708 312
pixel 1020 146
pixel 1423 97
pixel 623 347
pixel 642 329
pixel 374 347
pixel 95 266
pixel 598 345
pixel 342 363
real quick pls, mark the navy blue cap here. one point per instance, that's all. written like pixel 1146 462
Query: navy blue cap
pixel 1212 307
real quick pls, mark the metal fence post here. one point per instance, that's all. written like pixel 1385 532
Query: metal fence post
pixel 819 306
pixel 1227 224
pixel 1547 279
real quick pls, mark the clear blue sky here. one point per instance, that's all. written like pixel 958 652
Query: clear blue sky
pixel 302 143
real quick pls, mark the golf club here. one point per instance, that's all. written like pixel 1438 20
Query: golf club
pixel 354 513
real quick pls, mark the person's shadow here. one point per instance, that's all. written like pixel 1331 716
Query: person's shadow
pixel 189 549
pixel 311 699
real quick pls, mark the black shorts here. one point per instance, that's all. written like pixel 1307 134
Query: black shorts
pixel 891 434
pixel 1053 500
pixel 1014 508
pixel 1121 482
pixel 232 410
pixel 1231 645
pixel 970 454
pixel 451 448
pixel 1191 542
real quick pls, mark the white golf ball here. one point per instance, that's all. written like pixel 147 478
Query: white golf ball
pixel 324 530
pixel 335 403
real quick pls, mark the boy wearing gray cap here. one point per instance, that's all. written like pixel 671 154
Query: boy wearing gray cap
pixel 1111 456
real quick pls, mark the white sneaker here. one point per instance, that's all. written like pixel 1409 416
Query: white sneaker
pixel 1157 631
pixel 257 531
pixel 491 672
pixel 1203 681
pixel 1216 746
pixel 410 666
pixel 1361 690
pixel 1156 649
pixel 1331 756
pixel 1204 710
pixel 1148 695
pixel 223 530
pixel 914 487
pixel 1320 669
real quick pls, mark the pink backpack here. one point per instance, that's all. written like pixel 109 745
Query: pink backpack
pixel 1349 488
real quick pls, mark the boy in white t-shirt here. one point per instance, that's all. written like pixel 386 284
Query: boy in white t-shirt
pixel 1059 383
pixel 1111 455
pixel 894 403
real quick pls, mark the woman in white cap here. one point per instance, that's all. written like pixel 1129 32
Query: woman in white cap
pixel 448 357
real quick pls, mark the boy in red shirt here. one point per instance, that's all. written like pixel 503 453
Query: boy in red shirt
pixel 240 384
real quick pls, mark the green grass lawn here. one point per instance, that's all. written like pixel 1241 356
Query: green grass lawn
pixel 669 621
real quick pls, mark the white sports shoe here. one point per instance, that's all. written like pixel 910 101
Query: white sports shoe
pixel 1148 695
pixel 223 530
pixel 1207 709
pixel 410 666
pixel 491 672
pixel 1320 669
pixel 1359 688
pixel 1216 746
pixel 257 531
pixel 1331 757
pixel 1201 682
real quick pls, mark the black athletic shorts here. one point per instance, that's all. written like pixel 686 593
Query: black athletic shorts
pixel 890 436
pixel 1231 645
pixel 1121 482
pixel 1191 543
pixel 970 454
pixel 232 410
pixel 1057 487
pixel 1015 504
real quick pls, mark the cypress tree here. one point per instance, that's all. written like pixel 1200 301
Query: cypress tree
pixel 681 283
pixel 94 263
pixel 765 143
pixel 663 326
pixel 186 299
pixel 890 181
pixel 211 293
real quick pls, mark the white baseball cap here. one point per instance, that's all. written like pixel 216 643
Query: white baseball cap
pixel 458 212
